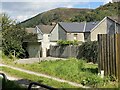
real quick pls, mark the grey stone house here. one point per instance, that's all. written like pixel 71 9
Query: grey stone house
pixel 84 31
pixel 72 31
pixel 39 41
pixel 46 35
pixel 106 26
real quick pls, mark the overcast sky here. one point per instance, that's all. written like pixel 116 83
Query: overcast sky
pixel 22 10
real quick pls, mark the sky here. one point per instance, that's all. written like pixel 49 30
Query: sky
pixel 21 10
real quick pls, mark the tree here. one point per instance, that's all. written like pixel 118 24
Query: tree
pixel 13 36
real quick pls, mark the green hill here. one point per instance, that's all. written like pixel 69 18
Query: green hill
pixel 72 15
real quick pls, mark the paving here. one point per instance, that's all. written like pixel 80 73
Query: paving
pixel 33 60
pixel 46 76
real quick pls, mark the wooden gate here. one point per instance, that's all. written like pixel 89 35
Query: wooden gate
pixel 109 54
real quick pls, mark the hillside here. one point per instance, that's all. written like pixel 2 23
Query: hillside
pixel 72 15
pixel 55 15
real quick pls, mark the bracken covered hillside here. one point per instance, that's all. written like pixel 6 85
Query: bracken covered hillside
pixel 73 15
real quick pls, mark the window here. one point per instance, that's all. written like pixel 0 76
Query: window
pixel 75 36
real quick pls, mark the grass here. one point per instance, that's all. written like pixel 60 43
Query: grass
pixel 34 78
pixel 72 69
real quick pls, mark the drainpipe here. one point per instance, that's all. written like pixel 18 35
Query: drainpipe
pixel 115 28
pixel 84 29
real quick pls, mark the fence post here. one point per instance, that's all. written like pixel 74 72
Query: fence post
pixel 109 54
pixel 118 56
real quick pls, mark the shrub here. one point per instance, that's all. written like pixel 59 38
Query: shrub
pixel 93 81
pixel 88 50
pixel 67 42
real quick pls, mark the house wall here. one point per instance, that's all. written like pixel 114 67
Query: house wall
pixel 110 27
pixel 46 41
pixel 118 28
pixel 45 44
pixel 54 34
pixel 80 36
pixel 62 33
pixel 100 29
pixel 40 34
pixel 33 49
pixel 53 43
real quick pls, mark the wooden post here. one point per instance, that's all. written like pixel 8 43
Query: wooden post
pixel 109 55
pixel 14 55
pixel 118 56
pixel 39 56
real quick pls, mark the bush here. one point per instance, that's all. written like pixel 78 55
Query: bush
pixel 93 81
pixel 89 51
pixel 66 42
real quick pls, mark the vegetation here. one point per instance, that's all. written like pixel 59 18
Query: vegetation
pixel 34 78
pixel 67 42
pixel 73 15
pixel 55 15
pixel 89 51
pixel 13 36
pixel 73 70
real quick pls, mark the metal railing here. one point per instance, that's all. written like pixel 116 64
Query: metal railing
pixel 4 81
pixel 30 87
pixel 41 86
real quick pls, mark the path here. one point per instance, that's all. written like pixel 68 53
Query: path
pixel 44 75
pixel 33 60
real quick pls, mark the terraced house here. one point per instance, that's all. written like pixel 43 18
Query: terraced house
pixel 72 31
pixel 40 42
pixel 84 31
pixel 47 35
pixel 106 26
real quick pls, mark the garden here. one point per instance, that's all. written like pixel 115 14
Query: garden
pixel 74 70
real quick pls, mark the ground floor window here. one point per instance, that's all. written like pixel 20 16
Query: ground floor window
pixel 75 36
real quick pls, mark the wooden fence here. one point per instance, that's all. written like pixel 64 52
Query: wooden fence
pixel 109 54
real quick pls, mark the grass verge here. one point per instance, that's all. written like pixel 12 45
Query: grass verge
pixel 38 79
pixel 72 70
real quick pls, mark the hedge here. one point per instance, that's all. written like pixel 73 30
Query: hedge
pixel 89 51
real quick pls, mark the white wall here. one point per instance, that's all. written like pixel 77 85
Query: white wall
pixel 45 44
pixel 46 41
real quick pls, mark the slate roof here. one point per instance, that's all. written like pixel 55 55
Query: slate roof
pixel 45 28
pixel 76 27
pixel 72 27
pixel 90 26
